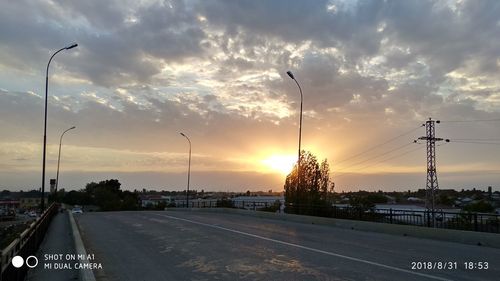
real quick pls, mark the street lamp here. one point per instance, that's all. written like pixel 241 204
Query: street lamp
pixel 300 126
pixel 189 170
pixel 59 156
pixel 45 121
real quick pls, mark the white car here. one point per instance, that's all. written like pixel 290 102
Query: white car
pixel 32 214
pixel 77 210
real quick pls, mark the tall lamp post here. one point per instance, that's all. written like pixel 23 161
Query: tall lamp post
pixel 42 205
pixel 300 126
pixel 59 156
pixel 189 169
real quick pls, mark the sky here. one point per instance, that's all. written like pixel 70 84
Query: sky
pixel 372 72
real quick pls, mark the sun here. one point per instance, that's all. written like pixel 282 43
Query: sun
pixel 280 163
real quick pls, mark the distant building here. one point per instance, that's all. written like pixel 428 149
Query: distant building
pixel 32 202
pixel 270 199
pixel 256 202
pixel 9 204
pixel 154 200
pixel 52 185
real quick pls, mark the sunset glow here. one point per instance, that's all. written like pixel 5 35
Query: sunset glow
pixel 370 73
pixel 280 163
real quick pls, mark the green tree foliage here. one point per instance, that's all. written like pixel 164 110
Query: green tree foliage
pixel 376 198
pixel 313 193
pixel 361 202
pixel 105 194
pixel 444 199
pixel 77 198
pixel 480 207
pixel 5 193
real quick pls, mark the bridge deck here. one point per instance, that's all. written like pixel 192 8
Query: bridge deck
pixel 217 246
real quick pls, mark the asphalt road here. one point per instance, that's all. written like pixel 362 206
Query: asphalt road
pixel 194 245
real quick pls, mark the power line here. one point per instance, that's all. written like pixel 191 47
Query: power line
pixel 379 162
pixel 470 121
pixel 377 156
pixel 380 144
pixel 476 139
pixel 476 142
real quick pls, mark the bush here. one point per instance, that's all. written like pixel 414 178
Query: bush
pixel 480 207
pixel 272 208
pixel 362 203
pixel 225 203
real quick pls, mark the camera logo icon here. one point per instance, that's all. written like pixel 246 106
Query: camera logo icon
pixel 18 261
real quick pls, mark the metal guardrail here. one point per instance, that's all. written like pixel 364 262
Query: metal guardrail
pixel 215 203
pixel 25 245
pixel 481 222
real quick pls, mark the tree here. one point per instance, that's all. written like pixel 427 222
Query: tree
pixel 376 198
pixel 106 198
pixel 361 202
pixel 312 194
pixel 325 180
pixel 106 195
pixel 5 193
pixel 444 199
pixel 129 201
pixel 76 198
pixel 482 206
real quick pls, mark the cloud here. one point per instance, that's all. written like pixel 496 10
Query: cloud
pixel 113 50
pixel 146 70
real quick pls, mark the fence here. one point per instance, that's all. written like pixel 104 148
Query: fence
pixel 25 245
pixel 439 219
pixel 227 203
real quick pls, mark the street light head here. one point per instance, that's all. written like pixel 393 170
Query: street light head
pixel 290 74
pixel 182 134
pixel 72 128
pixel 72 46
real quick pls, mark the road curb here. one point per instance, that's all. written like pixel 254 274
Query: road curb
pixel 85 274
pixel 450 235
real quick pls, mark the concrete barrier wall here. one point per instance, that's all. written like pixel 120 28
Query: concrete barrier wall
pixel 85 274
pixel 450 235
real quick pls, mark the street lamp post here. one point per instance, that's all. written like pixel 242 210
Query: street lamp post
pixel 59 157
pixel 42 204
pixel 189 170
pixel 300 126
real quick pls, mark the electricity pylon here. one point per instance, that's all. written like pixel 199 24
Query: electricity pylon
pixel 432 180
